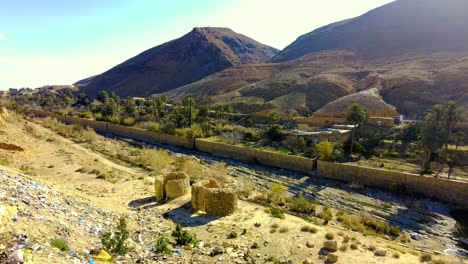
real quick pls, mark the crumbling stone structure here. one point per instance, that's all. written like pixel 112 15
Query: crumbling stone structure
pixel 209 197
pixel 171 185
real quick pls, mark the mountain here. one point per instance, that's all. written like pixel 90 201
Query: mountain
pixel 411 83
pixel 412 53
pixel 403 26
pixel 201 52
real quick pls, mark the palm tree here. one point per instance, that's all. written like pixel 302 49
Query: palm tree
pixel 431 139
pixel 188 103
pixel 454 115
pixel 460 138
pixel 357 115
pixel 436 115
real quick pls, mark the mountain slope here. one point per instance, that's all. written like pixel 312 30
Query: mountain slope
pixel 195 55
pixel 394 29
pixel 411 83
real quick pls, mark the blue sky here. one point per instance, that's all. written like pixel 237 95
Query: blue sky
pixel 62 41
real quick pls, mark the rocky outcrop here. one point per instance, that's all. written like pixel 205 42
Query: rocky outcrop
pixel 209 197
pixel 171 185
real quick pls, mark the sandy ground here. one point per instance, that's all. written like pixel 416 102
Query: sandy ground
pixel 54 160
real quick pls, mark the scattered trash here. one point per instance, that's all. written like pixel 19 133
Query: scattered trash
pixel 103 255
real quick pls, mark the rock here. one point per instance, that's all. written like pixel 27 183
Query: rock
pixel 18 256
pixel 217 251
pixel 307 261
pixel 381 252
pixel 415 236
pixel 310 244
pixel 229 250
pixel 330 245
pixel 332 258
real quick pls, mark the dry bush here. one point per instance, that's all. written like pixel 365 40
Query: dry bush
pixel 89 135
pixel 277 193
pixel 157 159
pixel 218 171
pixel 193 168
pixel 246 187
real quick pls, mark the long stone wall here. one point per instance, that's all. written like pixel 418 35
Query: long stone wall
pixel 329 120
pixel 455 192
pixel 122 131
pixel 294 163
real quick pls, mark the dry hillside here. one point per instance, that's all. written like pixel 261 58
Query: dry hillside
pixel 201 52
pixel 411 83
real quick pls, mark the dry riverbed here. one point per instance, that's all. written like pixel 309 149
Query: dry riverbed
pixel 78 206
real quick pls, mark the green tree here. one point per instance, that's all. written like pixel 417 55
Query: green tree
pixel 436 115
pixel 431 139
pixel 357 115
pixel 273 118
pixel 188 103
pixel 129 106
pixel 102 96
pixel 453 116
pixel 203 112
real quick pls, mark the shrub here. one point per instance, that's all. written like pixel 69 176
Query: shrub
pixel 246 187
pixel 284 230
pixel 162 246
pixel 99 117
pixel 168 129
pixel 273 260
pixel 128 121
pixel 275 133
pixel 324 150
pixel 396 255
pixel 115 241
pixel 325 214
pixel 329 236
pixel 157 159
pixel 346 239
pixel 114 119
pixel 249 123
pixel 183 237
pixel 277 212
pixel 343 247
pixel 302 205
pixel 354 246
pixel 155 127
pixel 277 193
pixel 232 235
pixel 232 137
pixel 193 168
pixel 251 136
pixel 218 171
pixel 60 244
pixel 194 131
pixel 425 258
pixel 371 248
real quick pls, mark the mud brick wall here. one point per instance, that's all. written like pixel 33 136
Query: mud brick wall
pixel 454 192
pixel 290 162
pixel 207 196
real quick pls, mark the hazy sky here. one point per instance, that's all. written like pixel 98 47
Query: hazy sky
pixel 62 41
